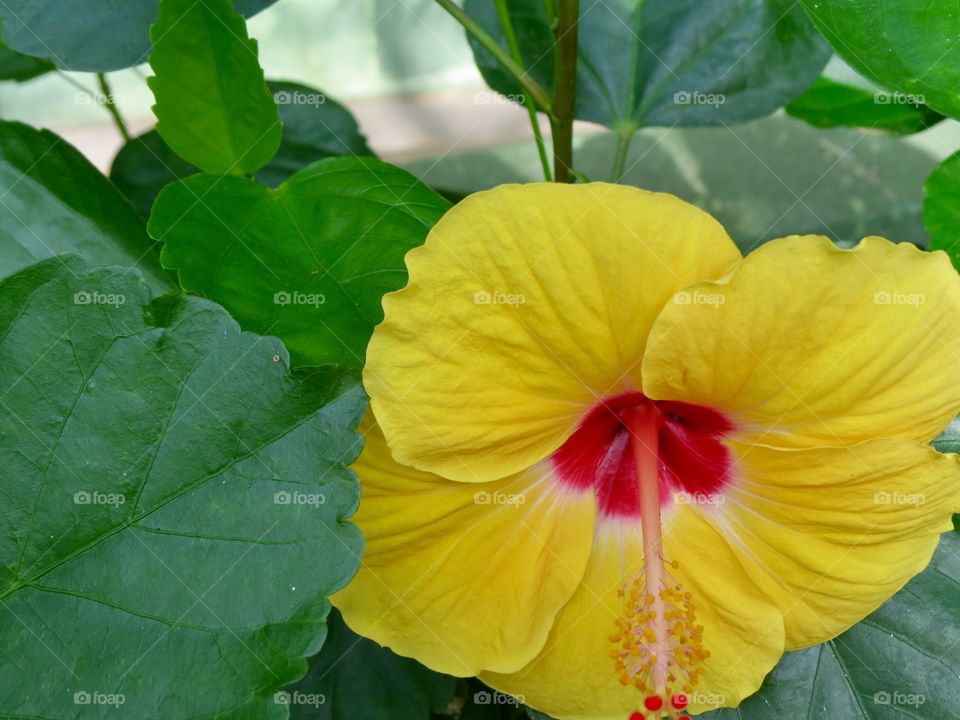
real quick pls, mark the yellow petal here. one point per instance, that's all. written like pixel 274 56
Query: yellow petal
pixel 831 533
pixel 574 678
pixel 525 305
pixel 809 345
pixel 463 576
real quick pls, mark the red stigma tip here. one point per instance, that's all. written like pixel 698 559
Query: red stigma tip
pixel 636 716
pixel 679 701
pixel 654 702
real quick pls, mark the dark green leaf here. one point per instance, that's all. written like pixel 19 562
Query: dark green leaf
pixel 90 35
pixel 902 661
pixel 668 62
pixel 213 107
pixel 52 200
pixel 315 126
pixel 19 67
pixel 913 48
pixel 174 515
pixel 353 677
pixel 307 262
pixel 949 440
pixel 833 104
pixel 941 209
pixel 144 166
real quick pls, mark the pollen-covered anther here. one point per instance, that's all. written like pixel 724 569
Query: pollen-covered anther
pixel 658 637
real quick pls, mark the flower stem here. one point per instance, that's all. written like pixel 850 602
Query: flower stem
pixel 530 86
pixel 511 36
pixel 626 133
pixel 108 101
pixel 565 88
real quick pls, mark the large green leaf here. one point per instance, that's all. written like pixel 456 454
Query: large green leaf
pixel 307 262
pixel 173 507
pixel 19 67
pixel 353 677
pixel 213 107
pixel 52 200
pixel 941 210
pixel 315 126
pixel 910 47
pixel 831 104
pixel 949 440
pixel 667 62
pixel 902 661
pixel 88 35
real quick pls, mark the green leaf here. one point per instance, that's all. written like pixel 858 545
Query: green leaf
pixel 899 45
pixel 903 660
pixel 90 35
pixel 52 200
pixel 307 262
pixel 353 677
pixel 667 62
pixel 949 440
pixel 832 104
pixel 175 515
pixel 213 107
pixel 19 67
pixel 941 209
pixel 315 126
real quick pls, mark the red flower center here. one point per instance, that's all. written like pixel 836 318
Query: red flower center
pixel 692 458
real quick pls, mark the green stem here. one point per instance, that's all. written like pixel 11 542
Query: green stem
pixel 511 36
pixel 112 107
pixel 626 134
pixel 529 85
pixel 565 85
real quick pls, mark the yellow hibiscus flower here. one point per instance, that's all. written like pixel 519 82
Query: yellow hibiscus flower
pixel 625 469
